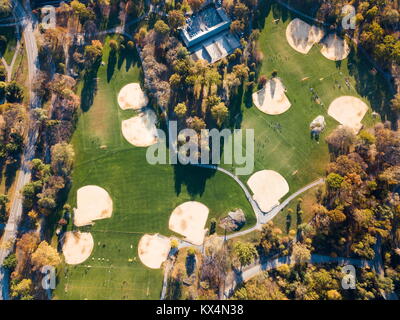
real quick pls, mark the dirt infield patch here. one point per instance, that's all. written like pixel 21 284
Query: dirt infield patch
pixel 94 203
pixel 132 97
pixel 268 188
pixel 189 219
pixel 153 250
pixel 335 48
pixel 301 36
pixel 272 99
pixel 349 111
pixel 77 247
pixel 141 131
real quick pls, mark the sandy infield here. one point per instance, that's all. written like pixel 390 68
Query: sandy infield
pixel 153 250
pixel 268 188
pixel 77 247
pixel 335 48
pixel 301 36
pixel 272 98
pixel 94 203
pixel 349 111
pixel 141 130
pixel 189 220
pixel 132 97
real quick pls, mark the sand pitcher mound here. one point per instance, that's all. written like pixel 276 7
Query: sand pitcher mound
pixel 141 131
pixel 334 48
pixel 272 99
pixel 153 250
pixel 132 97
pixel 189 219
pixel 268 188
pixel 94 203
pixel 77 247
pixel 301 36
pixel 349 111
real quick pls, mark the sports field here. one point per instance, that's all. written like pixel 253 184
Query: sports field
pixel 283 142
pixel 143 196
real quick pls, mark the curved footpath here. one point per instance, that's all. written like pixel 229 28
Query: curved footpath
pixel 234 279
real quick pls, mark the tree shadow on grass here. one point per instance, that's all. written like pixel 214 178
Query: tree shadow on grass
pixel 89 88
pixel 372 84
pixel 261 14
pixel 235 109
pixel 288 222
pixel 194 178
pixel 112 61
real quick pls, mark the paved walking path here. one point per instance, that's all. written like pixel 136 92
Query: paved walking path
pixel 235 279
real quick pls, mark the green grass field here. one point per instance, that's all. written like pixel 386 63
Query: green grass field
pixel 283 142
pixel 143 195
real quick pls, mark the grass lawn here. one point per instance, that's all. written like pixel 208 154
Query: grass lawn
pixel 289 220
pixel 283 142
pixel 9 50
pixel 143 195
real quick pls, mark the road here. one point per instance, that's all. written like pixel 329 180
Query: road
pixel 24 175
pixel 262 217
pixel 234 279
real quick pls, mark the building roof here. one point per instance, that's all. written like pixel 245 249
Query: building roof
pixel 207 22
pixel 207 34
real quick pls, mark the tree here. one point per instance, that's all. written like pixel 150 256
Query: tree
pixel 334 180
pixel 45 255
pixel 82 11
pixel 195 5
pixel 241 71
pixel 395 103
pixel 113 45
pixel 161 28
pixel 174 244
pixel 340 140
pixel 176 19
pixel 10 262
pixel 245 252
pixel 300 254
pixel 5 8
pixel 220 113
pixel 93 52
pixel 333 295
pixel 62 159
pixel 191 252
pixel 180 110
pixel 14 92
pixel 22 289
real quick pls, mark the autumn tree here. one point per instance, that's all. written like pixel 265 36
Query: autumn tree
pixel 195 5
pixel 300 254
pixel 220 113
pixel 62 159
pixel 45 255
pixel 22 289
pixel 180 110
pixel 176 19
pixel 245 252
